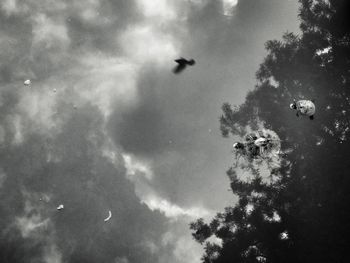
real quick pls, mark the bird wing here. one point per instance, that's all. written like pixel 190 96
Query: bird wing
pixel 180 60
pixel 179 68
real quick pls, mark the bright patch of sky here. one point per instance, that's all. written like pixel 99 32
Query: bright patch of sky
pixel 228 6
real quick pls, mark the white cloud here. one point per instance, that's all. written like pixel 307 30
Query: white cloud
pixel 28 225
pixel 172 210
pixel 49 32
pixel 105 81
pixel 9 6
pixel 136 168
pixel 137 171
pixel 31 222
pixel 90 9
pixel 145 43
pixel 34 225
pixel 16 126
pixel 186 250
pixel 140 173
pixel 228 6
pixel 52 254
pixel 38 106
pixel 157 8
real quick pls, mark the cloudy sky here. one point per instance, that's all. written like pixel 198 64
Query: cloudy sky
pixel 106 125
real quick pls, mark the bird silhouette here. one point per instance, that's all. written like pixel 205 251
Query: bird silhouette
pixel 182 64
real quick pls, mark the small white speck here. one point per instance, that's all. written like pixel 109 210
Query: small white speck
pixel 284 235
pixel 319 142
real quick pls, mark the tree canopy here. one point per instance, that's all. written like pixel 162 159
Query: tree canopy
pixel 297 211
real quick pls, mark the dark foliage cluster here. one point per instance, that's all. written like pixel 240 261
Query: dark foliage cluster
pixel 303 215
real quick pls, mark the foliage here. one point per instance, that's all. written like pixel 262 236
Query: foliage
pixel 301 216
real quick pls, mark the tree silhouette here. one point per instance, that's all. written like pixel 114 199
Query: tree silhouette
pixel 298 213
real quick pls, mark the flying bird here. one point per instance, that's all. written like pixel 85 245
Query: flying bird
pixel 182 64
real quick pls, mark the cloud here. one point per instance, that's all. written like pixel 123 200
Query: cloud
pixel 33 226
pixel 28 225
pixel 49 33
pixel 177 242
pixel 174 211
pixel 141 174
pixel 52 255
pixel 157 8
pixel 9 6
pixel 17 127
pixel 2 177
pixel 121 132
pixel 181 246
pixel 90 10
pixel 39 108
pixel 185 250
pixel 228 6
pixel 105 81
pixel 88 185
pixel 147 44
pixel 135 168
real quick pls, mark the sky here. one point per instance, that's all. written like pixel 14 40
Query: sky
pixel 106 126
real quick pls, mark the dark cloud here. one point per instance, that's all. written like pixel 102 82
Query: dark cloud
pixel 139 130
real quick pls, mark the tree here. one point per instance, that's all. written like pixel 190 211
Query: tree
pixel 298 213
